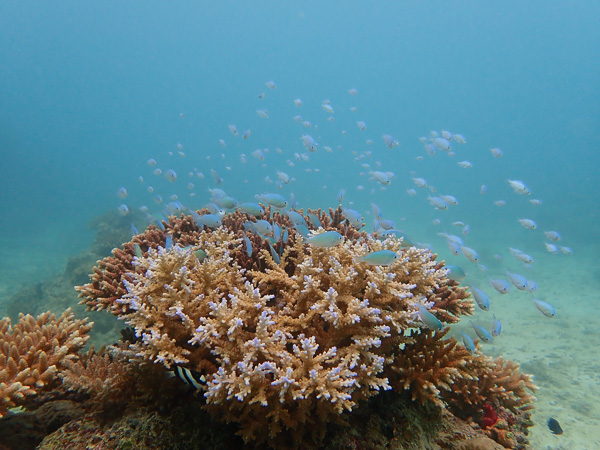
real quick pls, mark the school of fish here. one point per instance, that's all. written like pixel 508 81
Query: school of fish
pixel 313 156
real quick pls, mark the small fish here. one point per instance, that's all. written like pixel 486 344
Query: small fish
pixel 455 273
pixel 168 241
pixel 171 175
pixel 377 212
pixel 200 254
pixel 361 125
pixel 496 152
pixel 254 209
pixel 191 377
pixel 226 202
pixel 274 254
pixel 123 209
pixel 233 130
pixel 258 154
pixel 248 245
pixel 442 144
pixel 438 202
pixel 496 326
pixel 523 257
pixel 271 84
pixel 275 200
pixel 499 203
pixel 298 102
pixel 381 177
pixel 483 334
pixel 470 254
pixel 379 258
pixel 327 108
pixel 122 192
pixel 519 187
pixel 502 286
pixel 262 227
pixel 138 250
pixel 389 141
pixel 566 250
pixel 314 220
pixel 518 281
pixel 354 217
pixel 429 319
pixel 545 308
pixel 263 113
pixel 481 298
pixel 353 91
pixel 483 189
pixel 465 164
pixel 210 220
pixel 151 162
pixel 454 247
pixel 283 177
pixel 531 286
pixel 551 248
pixel 420 182
pixel 550 235
pixel 554 426
pixel 528 223
pixel 246 134
pixel 459 138
pixel 326 239
pixel 309 142
pixel 468 342
pixel 450 199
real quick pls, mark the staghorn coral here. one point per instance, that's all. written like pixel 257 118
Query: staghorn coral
pixel 107 286
pixel 101 375
pixel 290 344
pixel 429 364
pixel 33 351
pixel 498 382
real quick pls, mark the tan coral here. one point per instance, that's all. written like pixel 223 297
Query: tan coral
pixel 428 365
pixel 309 334
pixel 33 350
pixel 498 382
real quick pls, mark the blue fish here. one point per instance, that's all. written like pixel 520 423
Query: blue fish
pixel 379 258
pixel 481 298
pixel 496 327
pixel 429 319
pixel 483 334
pixel 468 342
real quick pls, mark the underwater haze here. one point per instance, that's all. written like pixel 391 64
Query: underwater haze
pixel 90 92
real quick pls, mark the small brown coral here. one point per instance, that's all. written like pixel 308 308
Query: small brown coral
pixel 498 382
pixel 429 364
pixel 33 350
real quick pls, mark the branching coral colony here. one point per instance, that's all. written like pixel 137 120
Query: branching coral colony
pixel 289 335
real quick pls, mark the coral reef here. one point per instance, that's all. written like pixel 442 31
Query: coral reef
pixel 33 351
pixel 291 336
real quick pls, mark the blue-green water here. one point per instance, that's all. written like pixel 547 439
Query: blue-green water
pixel 89 92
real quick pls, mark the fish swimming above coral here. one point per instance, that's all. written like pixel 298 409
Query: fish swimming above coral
pixel 281 328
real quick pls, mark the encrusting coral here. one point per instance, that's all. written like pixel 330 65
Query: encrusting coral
pixel 33 351
pixel 288 335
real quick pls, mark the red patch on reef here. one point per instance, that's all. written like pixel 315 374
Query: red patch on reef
pixel 489 417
